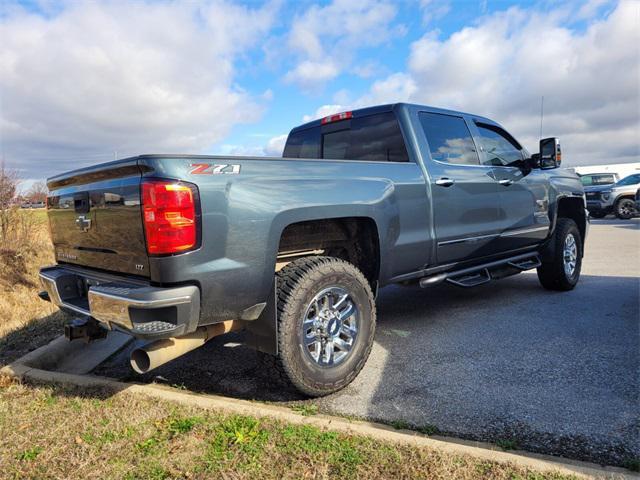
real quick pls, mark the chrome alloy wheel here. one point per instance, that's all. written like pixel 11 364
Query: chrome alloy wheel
pixel 330 326
pixel 570 255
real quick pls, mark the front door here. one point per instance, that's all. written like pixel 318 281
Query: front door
pixel 465 194
pixel 523 207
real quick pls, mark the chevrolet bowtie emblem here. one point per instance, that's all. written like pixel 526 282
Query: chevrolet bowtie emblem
pixel 83 223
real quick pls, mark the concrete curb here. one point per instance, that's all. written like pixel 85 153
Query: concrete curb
pixel 26 369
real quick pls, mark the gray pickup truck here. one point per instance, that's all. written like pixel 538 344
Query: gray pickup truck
pixel 179 248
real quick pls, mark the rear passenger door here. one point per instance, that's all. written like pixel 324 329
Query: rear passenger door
pixel 465 194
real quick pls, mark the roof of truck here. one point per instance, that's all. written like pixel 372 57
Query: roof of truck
pixel 363 112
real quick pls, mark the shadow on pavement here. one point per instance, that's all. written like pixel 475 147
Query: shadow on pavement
pixel 551 372
pixel 548 372
pixel 32 335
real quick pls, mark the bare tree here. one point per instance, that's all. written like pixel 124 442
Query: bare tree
pixel 37 193
pixel 8 186
pixel 8 190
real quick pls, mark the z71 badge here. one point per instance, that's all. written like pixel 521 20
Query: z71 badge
pixel 214 169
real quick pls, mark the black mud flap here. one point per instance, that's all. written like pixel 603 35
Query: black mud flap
pixel 262 333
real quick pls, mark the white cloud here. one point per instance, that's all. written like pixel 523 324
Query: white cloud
pixel 325 39
pixel 436 9
pixel 273 148
pixel 503 65
pixel 129 77
pixel 312 74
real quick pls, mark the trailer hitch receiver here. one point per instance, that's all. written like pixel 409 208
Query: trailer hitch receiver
pixel 85 328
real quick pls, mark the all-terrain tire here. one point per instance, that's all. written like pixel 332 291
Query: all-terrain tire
pixel 553 273
pixel 625 208
pixel 299 282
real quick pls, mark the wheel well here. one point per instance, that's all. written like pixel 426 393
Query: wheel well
pixel 622 197
pixel 354 239
pixel 573 208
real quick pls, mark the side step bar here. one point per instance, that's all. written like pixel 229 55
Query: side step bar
pixel 480 274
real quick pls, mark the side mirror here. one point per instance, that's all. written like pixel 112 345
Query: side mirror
pixel 550 153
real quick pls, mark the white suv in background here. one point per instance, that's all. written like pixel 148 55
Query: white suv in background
pixel 617 198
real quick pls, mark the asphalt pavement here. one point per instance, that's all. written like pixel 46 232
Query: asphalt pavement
pixel 505 362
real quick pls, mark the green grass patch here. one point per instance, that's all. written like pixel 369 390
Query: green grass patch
pixel 632 464
pixel 30 454
pixel 134 437
pixel 306 409
pixel 400 425
pixel 428 429
pixel 177 426
pixel 507 444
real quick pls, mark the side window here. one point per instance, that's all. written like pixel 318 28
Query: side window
pixel 377 138
pixel 587 180
pixel 499 147
pixel 449 139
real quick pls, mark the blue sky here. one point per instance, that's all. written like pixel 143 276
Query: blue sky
pixel 292 103
pixel 81 82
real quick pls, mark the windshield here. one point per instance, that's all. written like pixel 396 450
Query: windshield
pixel 630 180
pixel 598 179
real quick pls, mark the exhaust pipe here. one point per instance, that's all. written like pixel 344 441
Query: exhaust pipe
pixel 162 351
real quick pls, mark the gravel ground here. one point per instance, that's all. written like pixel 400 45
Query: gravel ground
pixel 506 362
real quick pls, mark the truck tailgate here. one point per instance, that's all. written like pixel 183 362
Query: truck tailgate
pixel 95 218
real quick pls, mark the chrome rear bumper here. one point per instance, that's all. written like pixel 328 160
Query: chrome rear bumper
pixel 140 309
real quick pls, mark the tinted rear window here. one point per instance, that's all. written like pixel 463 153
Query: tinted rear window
pixel 374 138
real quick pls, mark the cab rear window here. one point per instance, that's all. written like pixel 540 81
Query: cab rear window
pixel 375 138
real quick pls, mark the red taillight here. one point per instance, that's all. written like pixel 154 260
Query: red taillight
pixel 170 218
pixel 337 117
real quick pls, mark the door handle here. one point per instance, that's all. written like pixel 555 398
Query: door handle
pixel 505 182
pixel 445 182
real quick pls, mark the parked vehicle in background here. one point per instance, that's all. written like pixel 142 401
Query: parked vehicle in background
pixel 593 183
pixel 598 179
pixel 638 200
pixel 293 250
pixel 617 198
pixel 33 205
pixel 620 169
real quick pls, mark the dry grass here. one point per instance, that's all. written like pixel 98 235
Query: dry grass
pixel 26 322
pixel 53 433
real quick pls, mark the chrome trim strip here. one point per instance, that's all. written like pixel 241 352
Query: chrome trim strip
pixel 165 302
pixel 508 233
pixel 468 239
pixel 522 231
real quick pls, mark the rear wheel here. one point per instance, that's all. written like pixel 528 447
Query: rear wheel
pixel 562 271
pixel 326 324
pixel 625 208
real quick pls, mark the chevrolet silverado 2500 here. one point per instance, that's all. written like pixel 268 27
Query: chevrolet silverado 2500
pixel 179 248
